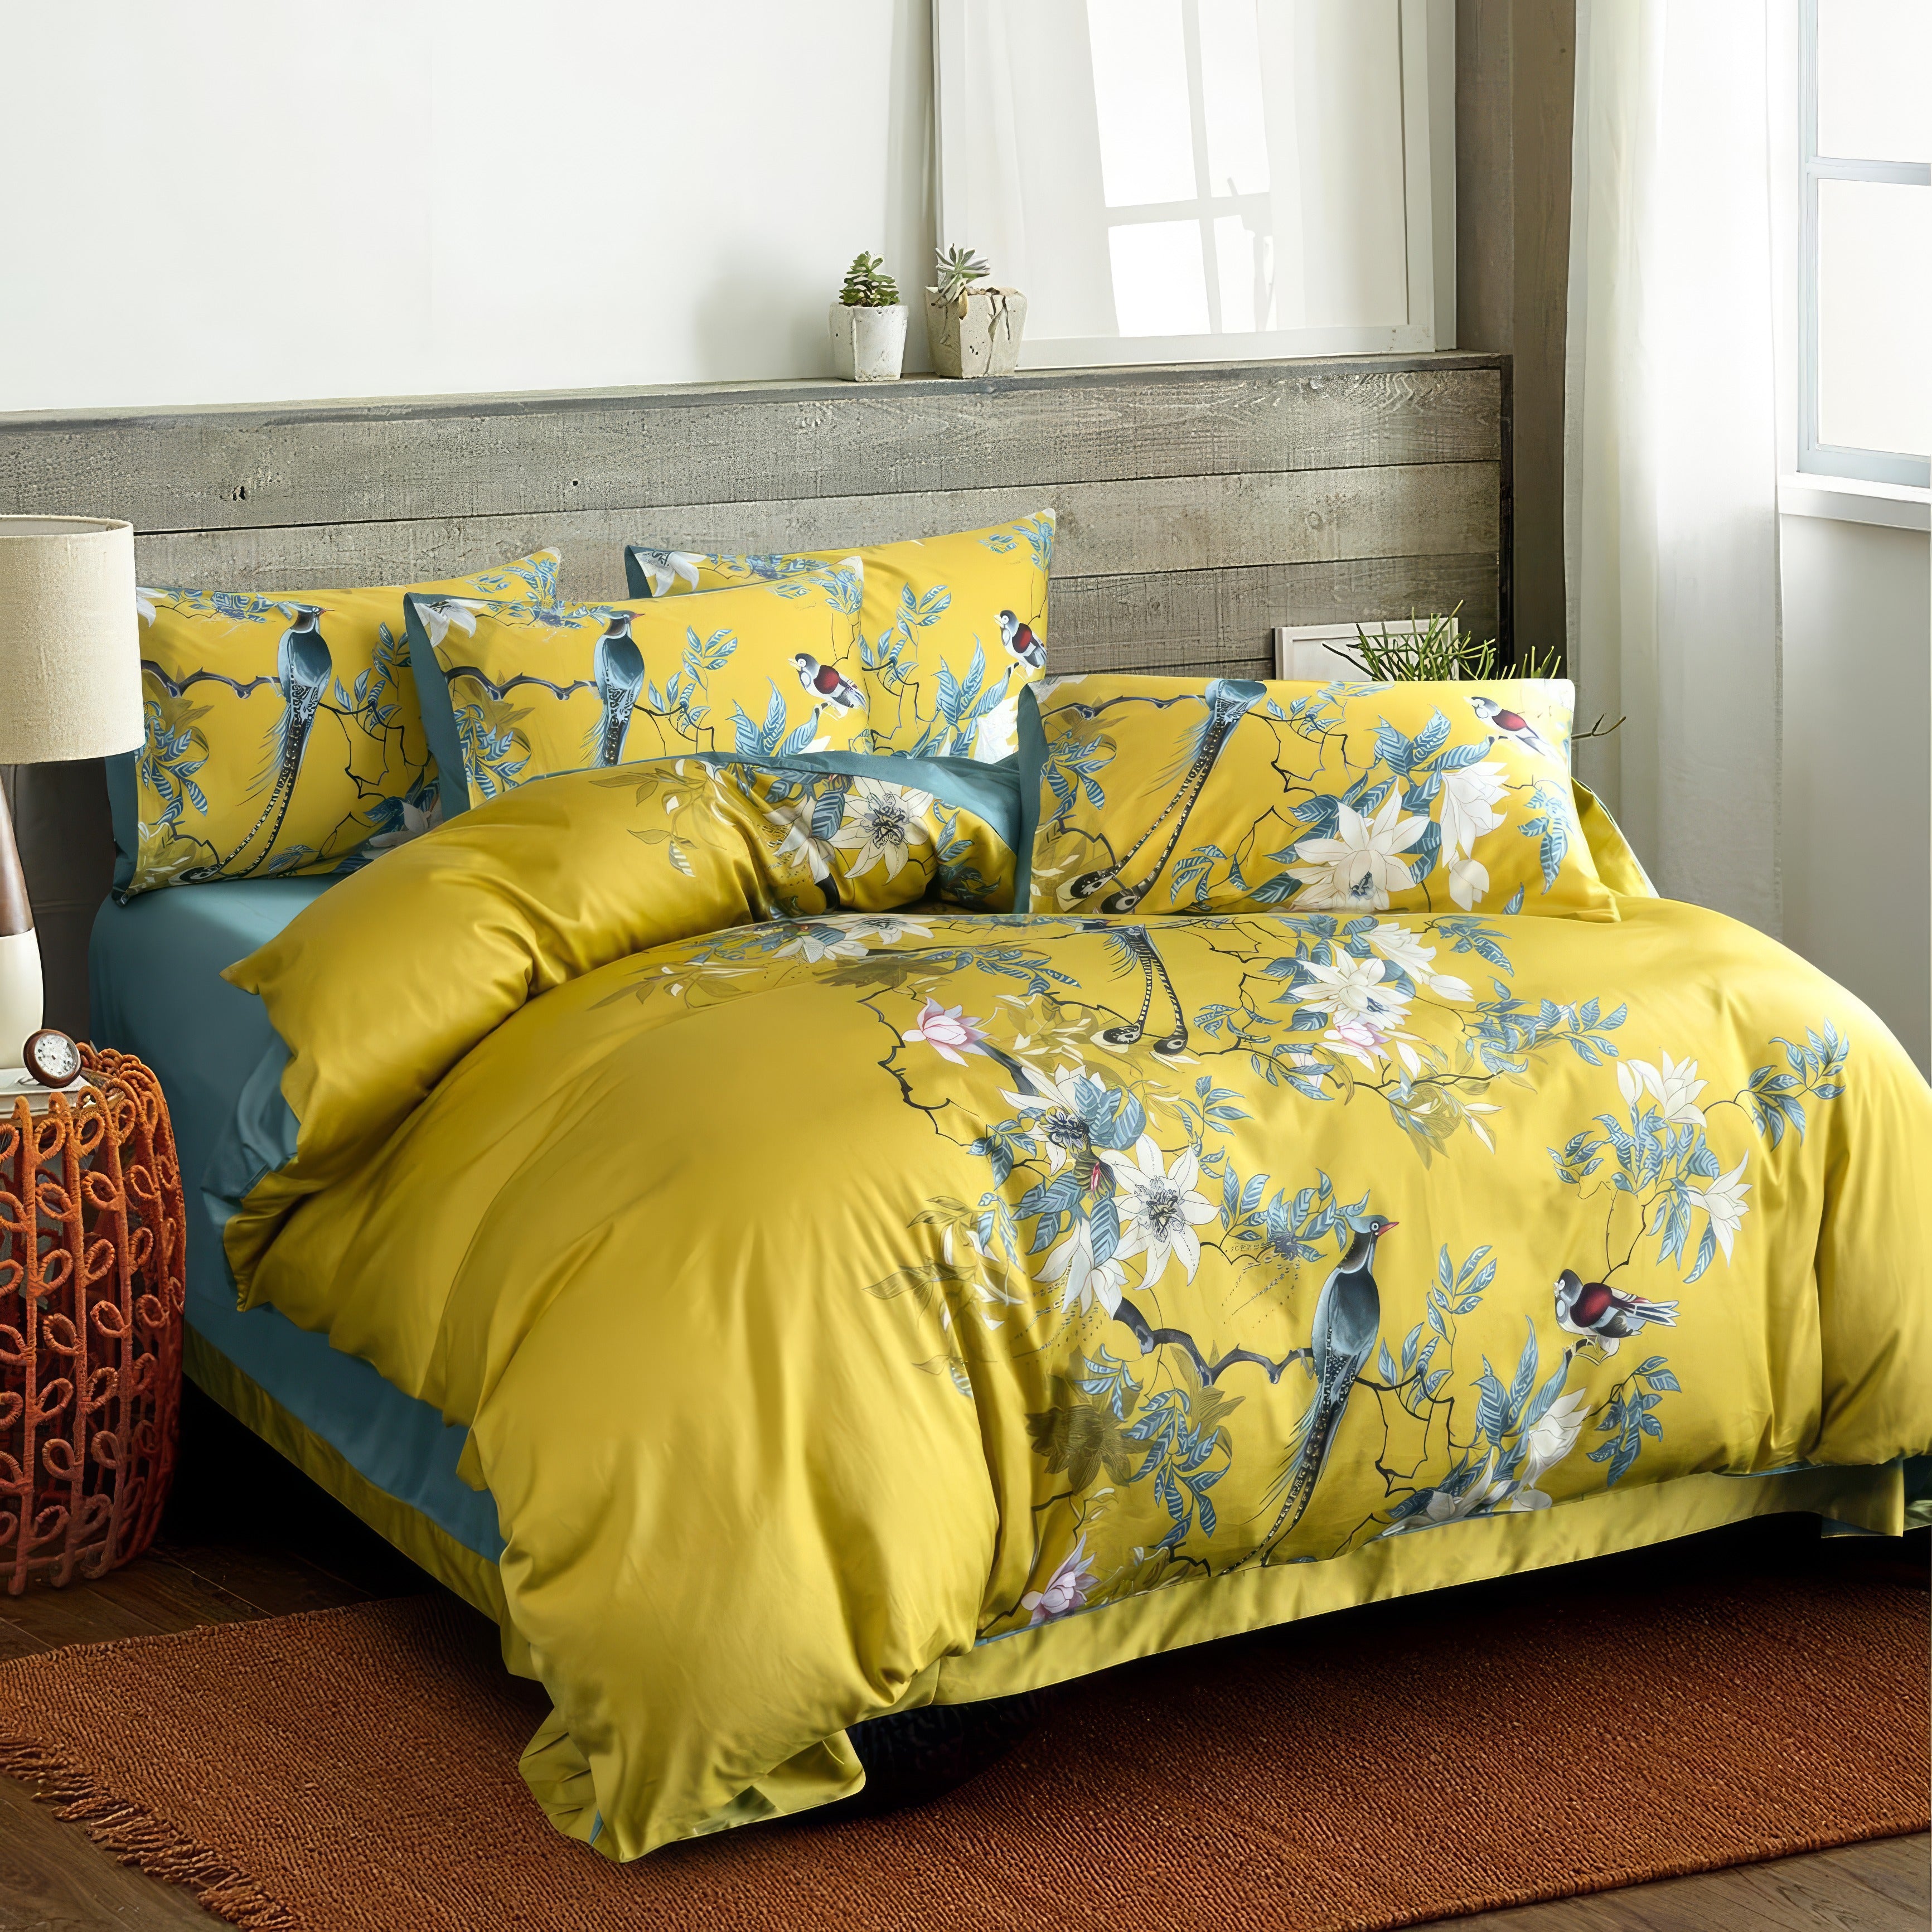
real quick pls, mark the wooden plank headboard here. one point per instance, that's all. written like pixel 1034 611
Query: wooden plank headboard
pixel 1198 506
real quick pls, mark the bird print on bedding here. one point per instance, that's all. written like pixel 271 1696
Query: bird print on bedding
pixel 1173 1265
pixel 283 734
pixel 302 679
pixel 617 671
pixel 1227 701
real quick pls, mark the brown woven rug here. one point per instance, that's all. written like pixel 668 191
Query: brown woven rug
pixel 355 1769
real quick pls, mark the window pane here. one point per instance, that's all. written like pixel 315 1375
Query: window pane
pixel 1231 97
pixel 1140 98
pixel 1160 283
pixel 1874 293
pixel 1244 264
pixel 1875 79
pixel 1265 139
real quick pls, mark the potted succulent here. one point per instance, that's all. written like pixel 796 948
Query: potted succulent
pixel 974 328
pixel 869 324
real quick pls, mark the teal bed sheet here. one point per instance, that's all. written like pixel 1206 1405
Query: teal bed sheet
pixel 154 975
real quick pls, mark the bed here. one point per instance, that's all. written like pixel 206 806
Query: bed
pixel 778 1324
pixel 812 1468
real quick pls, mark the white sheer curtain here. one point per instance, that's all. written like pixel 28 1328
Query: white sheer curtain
pixel 1671 443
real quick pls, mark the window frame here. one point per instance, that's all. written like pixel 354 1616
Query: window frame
pixel 1816 458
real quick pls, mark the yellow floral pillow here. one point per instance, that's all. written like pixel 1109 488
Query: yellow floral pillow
pixel 517 692
pixel 953 627
pixel 1218 795
pixel 283 733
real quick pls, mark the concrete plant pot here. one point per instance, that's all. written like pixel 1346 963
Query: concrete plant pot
pixel 977 334
pixel 867 344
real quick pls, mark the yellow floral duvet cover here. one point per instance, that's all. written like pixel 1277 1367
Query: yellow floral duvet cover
pixel 881 1303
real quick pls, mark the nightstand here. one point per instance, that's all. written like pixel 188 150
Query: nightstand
pixel 92 1235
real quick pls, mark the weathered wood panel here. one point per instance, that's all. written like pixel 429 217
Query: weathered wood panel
pixel 1106 529
pixel 236 470
pixel 1218 620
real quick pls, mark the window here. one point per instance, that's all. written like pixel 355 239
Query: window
pixel 1175 180
pixel 1865 265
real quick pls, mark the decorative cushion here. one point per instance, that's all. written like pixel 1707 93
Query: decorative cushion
pixel 514 691
pixel 1220 795
pixel 952 626
pixel 284 734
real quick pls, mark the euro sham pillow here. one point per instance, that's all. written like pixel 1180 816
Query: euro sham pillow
pixel 1223 795
pixel 514 691
pixel 285 733
pixel 952 630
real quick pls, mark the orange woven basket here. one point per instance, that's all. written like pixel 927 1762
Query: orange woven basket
pixel 91 1289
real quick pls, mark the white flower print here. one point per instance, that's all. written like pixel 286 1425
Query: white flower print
pixel 998 733
pixel 1055 1118
pixel 1082 1281
pixel 1402 947
pixel 1470 796
pixel 1723 1200
pixel 1363 864
pixel 1366 1012
pixel 1469 880
pixel 1545 1443
pixel 1353 988
pixel 1674 1086
pixel 882 823
pixel 797 842
pixel 889 928
pixel 1159 1207
pixel 1442 1506
pixel 817 941
pixel 664 567
pixel 441 615
pixel 1065 1589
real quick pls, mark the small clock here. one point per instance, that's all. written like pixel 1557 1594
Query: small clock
pixel 52 1058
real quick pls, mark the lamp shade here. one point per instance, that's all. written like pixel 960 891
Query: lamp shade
pixel 69 644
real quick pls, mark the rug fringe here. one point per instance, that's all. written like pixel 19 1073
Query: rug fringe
pixel 136 1836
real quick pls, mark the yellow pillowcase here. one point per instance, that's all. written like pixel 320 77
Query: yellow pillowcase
pixel 768 670
pixel 1221 795
pixel 283 733
pixel 953 627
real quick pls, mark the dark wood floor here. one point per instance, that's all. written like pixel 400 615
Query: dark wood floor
pixel 246 1536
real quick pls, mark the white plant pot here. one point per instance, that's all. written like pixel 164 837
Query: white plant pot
pixel 868 344
pixel 978 334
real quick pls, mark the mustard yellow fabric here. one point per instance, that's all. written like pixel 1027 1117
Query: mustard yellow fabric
pixel 1229 795
pixel 284 733
pixel 850 1310
pixel 767 670
pixel 1617 866
pixel 953 626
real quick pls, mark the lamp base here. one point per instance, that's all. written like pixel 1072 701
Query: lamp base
pixel 21 995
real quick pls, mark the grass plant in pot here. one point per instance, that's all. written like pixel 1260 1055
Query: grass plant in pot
pixel 869 324
pixel 974 328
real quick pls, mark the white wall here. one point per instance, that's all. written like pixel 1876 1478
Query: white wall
pixel 218 201
pixel 1857 826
